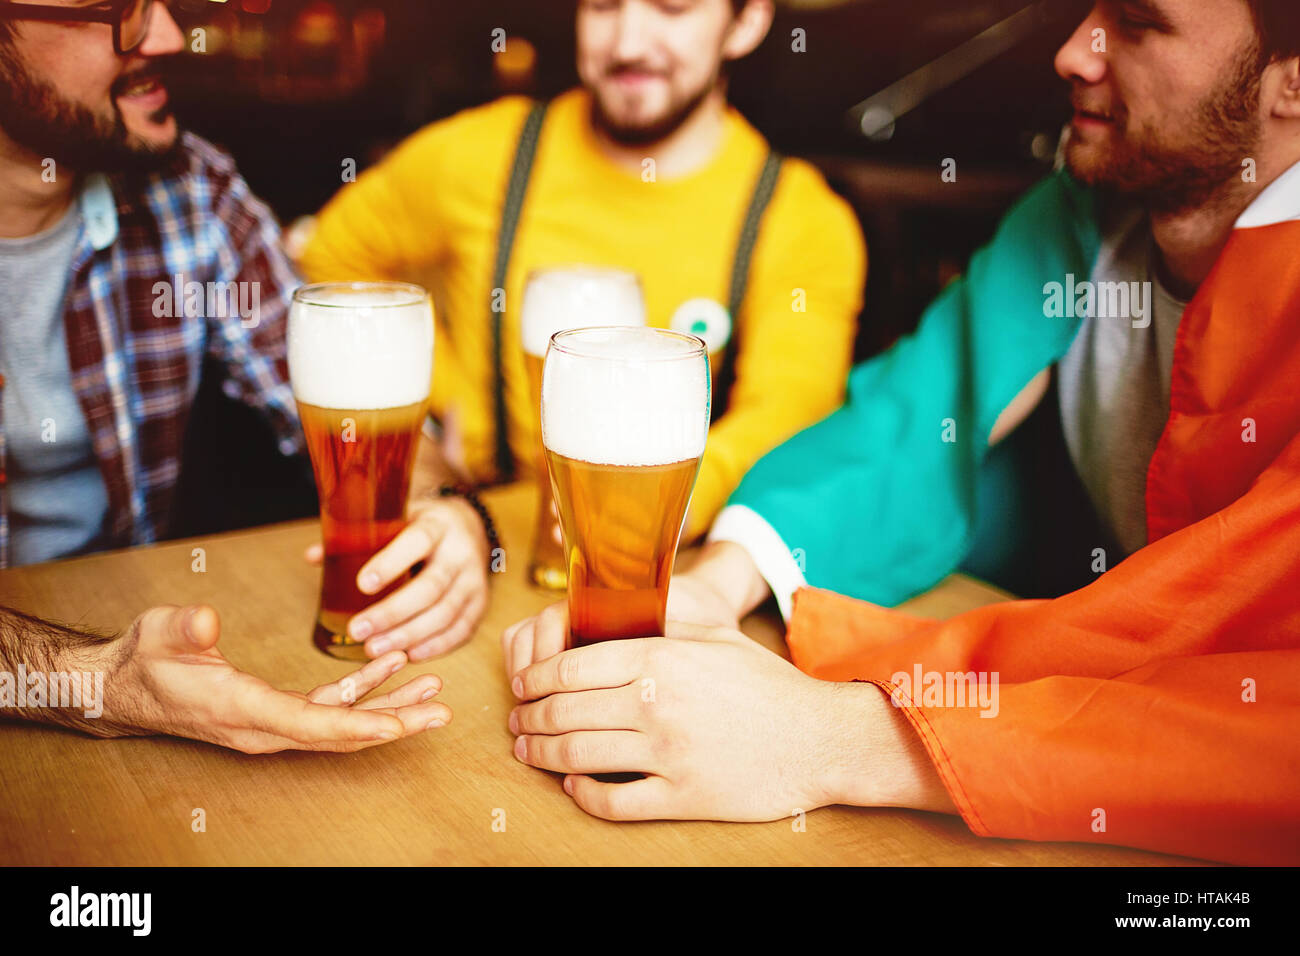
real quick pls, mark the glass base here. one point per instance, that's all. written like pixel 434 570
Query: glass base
pixel 331 637
pixel 548 576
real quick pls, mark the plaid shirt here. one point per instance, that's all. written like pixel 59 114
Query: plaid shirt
pixel 136 347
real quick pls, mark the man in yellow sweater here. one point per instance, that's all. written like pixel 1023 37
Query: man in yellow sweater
pixel 645 167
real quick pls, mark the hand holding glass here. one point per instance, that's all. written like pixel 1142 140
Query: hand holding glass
pixel 625 416
pixel 361 363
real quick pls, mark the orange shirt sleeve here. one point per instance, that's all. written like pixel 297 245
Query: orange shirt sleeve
pixel 1155 708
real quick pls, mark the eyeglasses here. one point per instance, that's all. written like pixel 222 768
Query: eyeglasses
pixel 130 18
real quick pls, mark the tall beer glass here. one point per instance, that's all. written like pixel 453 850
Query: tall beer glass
pixel 625 414
pixel 556 299
pixel 361 363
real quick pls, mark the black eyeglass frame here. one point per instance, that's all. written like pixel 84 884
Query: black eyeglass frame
pixel 112 12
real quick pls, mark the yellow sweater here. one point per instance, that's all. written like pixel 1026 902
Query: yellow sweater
pixel 430 211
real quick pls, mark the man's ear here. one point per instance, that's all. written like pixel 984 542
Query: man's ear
pixel 1286 99
pixel 748 30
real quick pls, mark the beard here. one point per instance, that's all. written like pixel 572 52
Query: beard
pixel 1171 177
pixel 38 118
pixel 647 132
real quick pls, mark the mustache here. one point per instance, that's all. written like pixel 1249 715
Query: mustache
pixel 622 69
pixel 159 68
pixel 1083 103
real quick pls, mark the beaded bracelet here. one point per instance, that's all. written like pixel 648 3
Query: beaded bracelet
pixel 471 498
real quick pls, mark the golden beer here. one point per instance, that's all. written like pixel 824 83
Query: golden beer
pixel 546 568
pixel 625 416
pixel 360 362
pixel 621 543
pixel 362 459
pixel 556 299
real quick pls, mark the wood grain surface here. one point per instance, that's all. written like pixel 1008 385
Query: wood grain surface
pixel 432 799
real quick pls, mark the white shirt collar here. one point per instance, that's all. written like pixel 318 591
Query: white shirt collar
pixel 99 210
pixel 1279 202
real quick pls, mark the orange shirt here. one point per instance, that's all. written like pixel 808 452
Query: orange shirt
pixel 1159 707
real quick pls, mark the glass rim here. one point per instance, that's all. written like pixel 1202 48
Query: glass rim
pixel 305 294
pixel 698 348
pixel 582 269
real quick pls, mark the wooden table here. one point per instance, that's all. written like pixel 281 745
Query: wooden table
pixel 432 799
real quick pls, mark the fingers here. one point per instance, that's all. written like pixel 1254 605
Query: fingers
pixel 551 634
pixel 457 633
pixel 565 713
pixel 427 715
pixel 203 627
pixel 309 726
pixel 277 734
pixel 418 691
pixel 236 709
pixel 608 664
pixel 648 799
pixel 352 687
pixel 517 646
pixel 179 630
pixel 605 751
pixel 422 593
pixel 537 638
pixel 406 703
pixel 428 619
pixel 315 554
pixel 413 543
pixel 412 703
pixel 295 722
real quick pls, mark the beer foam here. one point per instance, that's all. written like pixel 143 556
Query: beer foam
pixel 360 347
pixel 578 297
pixel 626 397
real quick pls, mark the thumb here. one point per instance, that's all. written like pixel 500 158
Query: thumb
pixel 185 630
pixel 203 628
pixel 315 553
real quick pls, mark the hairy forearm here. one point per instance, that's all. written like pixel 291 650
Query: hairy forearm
pixel 53 674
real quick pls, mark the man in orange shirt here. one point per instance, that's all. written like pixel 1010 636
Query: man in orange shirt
pixel 1154 707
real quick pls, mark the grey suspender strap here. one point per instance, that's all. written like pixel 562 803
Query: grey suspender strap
pixel 4 485
pixel 515 193
pixel 758 202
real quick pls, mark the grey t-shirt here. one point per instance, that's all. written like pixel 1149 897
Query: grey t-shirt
pixel 1114 388
pixel 57 499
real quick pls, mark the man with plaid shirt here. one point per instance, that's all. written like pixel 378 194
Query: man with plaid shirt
pixel 129 253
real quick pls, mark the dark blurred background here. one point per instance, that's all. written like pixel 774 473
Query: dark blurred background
pixel 291 87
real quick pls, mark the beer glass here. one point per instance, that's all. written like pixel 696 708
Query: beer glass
pixel 625 415
pixel 556 299
pixel 361 363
